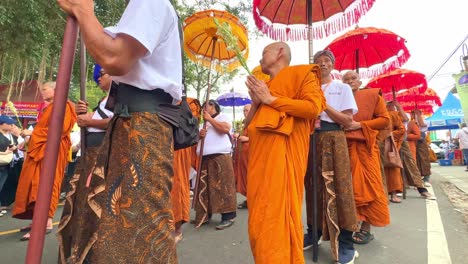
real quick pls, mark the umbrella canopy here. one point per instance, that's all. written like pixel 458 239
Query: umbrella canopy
pixel 287 19
pixel 233 99
pixel 203 44
pixel 413 96
pixel 425 107
pixel 399 79
pixel 370 51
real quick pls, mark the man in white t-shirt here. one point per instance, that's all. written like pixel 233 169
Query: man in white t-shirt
pixel 333 167
pixel 462 136
pixel 217 172
pixel 142 53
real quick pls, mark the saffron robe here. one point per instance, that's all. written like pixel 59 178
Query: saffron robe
pixel 180 193
pixel 364 154
pixel 28 183
pixel 279 136
pixel 413 135
pixel 393 175
pixel 241 160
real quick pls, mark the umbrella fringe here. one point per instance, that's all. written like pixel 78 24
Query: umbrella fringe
pixel 332 25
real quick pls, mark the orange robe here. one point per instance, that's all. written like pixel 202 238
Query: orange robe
pixel 26 194
pixel 413 135
pixel 364 155
pixel 180 193
pixel 393 175
pixel 241 161
pixel 279 136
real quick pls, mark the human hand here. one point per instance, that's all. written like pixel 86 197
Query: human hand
pixel 73 6
pixel 354 126
pixel 206 116
pixel 243 139
pixel 202 133
pixel 259 90
pixel 83 120
pixel 26 133
pixel 12 147
pixel 81 107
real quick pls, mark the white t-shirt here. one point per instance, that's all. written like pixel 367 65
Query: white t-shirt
pixel 215 142
pixel 155 25
pixel 96 115
pixel 340 97
pixel 462 136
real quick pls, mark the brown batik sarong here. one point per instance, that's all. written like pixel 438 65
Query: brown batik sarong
pixel 78 225
pixel 134 203
pixel 335 197
pixel 422 158
pixel 411 174
pixel 216 188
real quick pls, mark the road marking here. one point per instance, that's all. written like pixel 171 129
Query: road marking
pixel 18 230
pixel 437 248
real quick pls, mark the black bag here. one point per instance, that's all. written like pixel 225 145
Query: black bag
pixel 184 124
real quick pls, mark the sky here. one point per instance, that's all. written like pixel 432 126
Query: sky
pixel 432 29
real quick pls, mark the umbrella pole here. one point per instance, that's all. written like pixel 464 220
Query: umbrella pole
pixel 202 142
pixel 41 209
pixel 311 32
pixel 314 177
pixel 393 93
pixel 357 60
pixel 82 91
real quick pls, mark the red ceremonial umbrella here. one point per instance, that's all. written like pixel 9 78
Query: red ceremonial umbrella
pixel 412 99
pixel 375 50
pixel 399 79
pixel 292 20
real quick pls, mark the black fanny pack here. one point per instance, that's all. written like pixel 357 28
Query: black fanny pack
pixel 125 99
pixel 327 126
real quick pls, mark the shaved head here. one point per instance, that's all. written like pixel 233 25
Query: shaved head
pixel 352 79
pixel 282 47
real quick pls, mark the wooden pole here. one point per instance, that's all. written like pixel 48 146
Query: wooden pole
pixel 202 141
pixel 41 209
pixel 83 75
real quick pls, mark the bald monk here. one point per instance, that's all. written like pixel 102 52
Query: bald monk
pixel 241 160
pixel 28 182
pixel 364 154
pixel 393 174
pixel 279 124
pixel 180 193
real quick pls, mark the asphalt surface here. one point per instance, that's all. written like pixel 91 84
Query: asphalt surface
pixel 406 240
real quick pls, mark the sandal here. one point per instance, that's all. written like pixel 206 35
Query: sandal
pixel 242 205
pixel 27 236
pixel 362 237
pixel 395 200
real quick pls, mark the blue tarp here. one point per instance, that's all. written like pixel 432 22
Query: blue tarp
pixel 448 116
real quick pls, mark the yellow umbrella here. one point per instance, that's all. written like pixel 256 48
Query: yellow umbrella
pixel 202 43
pixel 258 73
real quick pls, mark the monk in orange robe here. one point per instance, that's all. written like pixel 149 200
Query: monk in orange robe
pixel 393 175
pixel 241 160
pixel 180 193
pixel 279 126
pixel 364 154
pixel 26 193
pixel 413 135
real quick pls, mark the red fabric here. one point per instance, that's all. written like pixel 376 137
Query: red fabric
pixel 287 20
pixel 399 79
pixel 378 51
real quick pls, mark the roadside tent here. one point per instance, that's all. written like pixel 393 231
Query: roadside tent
pixel 448 116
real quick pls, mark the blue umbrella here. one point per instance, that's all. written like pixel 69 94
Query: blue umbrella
pixel 233 99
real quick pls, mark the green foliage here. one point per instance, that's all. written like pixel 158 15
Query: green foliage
pixel 93 93
pixel 31 31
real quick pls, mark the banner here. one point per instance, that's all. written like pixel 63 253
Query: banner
pixel 24 109
pixel 461 83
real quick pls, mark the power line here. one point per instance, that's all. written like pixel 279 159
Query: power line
pixel 445 61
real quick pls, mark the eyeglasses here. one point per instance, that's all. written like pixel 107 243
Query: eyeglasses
pixel 102 73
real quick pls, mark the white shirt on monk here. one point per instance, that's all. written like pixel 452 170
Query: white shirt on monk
pixel 216 142
pixel 161 67
pixel 339 96
pixel 97 116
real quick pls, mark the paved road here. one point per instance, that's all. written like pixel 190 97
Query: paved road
pixel 420 232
